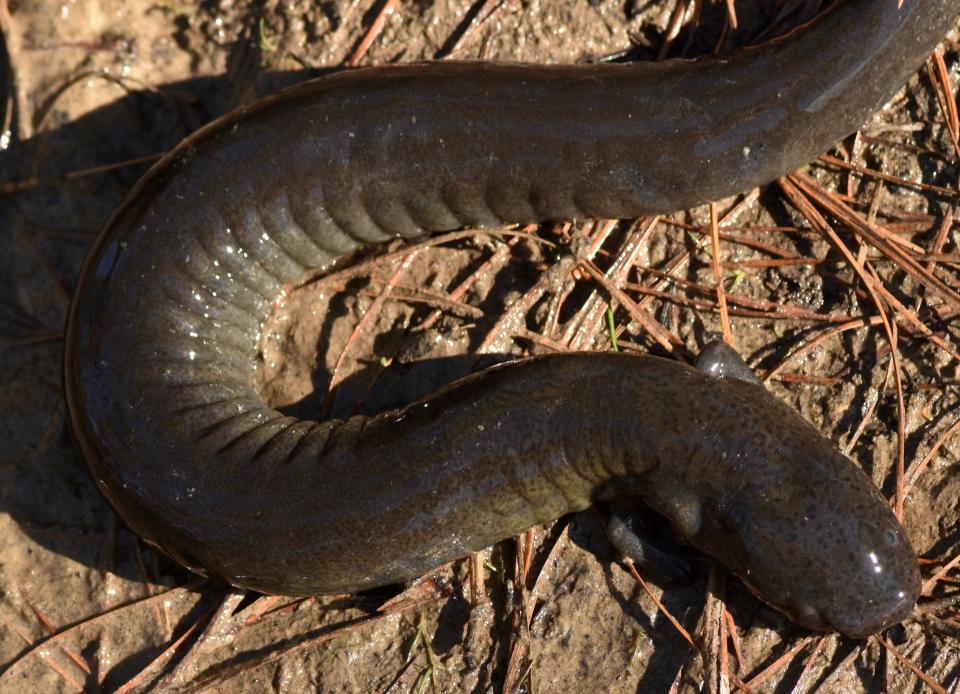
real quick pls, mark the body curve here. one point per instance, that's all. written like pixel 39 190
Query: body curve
pixel 164 326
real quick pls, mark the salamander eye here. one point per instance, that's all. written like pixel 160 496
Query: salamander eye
pixel 890 537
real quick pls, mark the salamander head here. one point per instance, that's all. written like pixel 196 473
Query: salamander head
pixel 775 502
pixel 816 539
pixel 856 591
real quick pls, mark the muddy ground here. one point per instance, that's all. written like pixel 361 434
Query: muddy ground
pixel 85 606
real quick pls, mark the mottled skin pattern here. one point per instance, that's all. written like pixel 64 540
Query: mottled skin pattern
pixel 163 332
pixel 788 504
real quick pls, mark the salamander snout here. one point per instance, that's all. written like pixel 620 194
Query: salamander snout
pixel 836 570
pixel 802 525
pixel 839 581
pixel 862 621
pixel 886 600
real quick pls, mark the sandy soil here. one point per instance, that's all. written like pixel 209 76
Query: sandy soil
pixel 84 606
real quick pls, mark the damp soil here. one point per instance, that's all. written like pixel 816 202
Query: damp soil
pixel 85 606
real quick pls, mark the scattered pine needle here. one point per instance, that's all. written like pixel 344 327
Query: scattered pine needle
pixel 915 471
pixel 660 606
pixel 940 77
pixel 158 663
pixel 938 575
pixel 376 27
pixel 717 272
pixel 362 324
pixel 780 663
pixel 921 675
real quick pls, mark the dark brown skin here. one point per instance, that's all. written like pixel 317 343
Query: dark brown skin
pixel 163 332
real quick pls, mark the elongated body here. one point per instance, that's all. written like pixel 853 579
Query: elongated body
pixel 163 331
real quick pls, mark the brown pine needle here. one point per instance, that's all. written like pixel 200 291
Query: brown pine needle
pixel 938 575
pixel 856 324
pixel 155 665
pixel 940 77
pixel 718 273
pixel 375 28
pixel 807 672
pixel 871 282
pixel 925 678
pixel 362 324
pixel 778 664
pixel 41 646
pixel 11 187
pixel 915 471
pixel 663 337
pixel 875 235
pixel 879 175
pixel 660 606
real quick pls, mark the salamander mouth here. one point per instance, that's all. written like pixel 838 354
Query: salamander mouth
pixel 896 614
pixel 809 617
pixel 805 615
